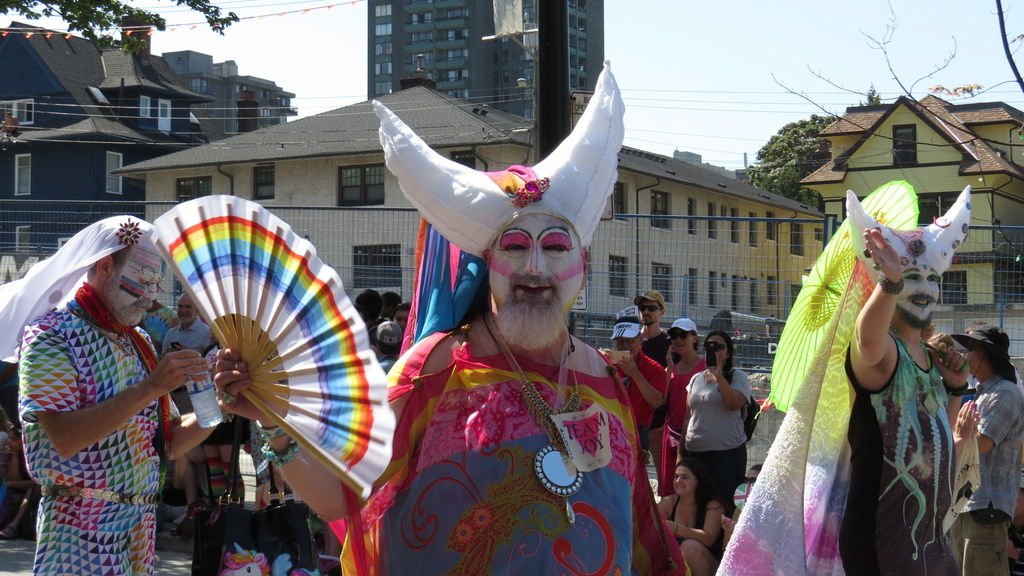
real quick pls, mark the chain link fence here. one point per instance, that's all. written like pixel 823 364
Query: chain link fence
pixel 739 274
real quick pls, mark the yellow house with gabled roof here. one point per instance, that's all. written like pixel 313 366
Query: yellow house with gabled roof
pixel 940 148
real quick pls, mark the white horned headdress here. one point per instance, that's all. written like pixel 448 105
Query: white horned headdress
pixel 931 247
pixel 469 207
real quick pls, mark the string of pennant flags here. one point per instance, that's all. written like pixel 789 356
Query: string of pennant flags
pixel 145 30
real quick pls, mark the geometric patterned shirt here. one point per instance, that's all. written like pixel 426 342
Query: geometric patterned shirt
pixel 68 364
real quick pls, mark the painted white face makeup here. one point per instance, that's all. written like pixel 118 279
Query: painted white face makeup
pixel 537 268
pixel 130 294
pixel 916 303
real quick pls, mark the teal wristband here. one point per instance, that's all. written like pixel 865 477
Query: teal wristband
pixel 280 458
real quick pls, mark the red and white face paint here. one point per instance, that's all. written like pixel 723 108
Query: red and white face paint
pixel 537 267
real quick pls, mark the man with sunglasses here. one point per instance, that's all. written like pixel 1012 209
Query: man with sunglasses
pixel 656 342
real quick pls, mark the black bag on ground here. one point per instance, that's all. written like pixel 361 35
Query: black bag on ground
pixel 275 539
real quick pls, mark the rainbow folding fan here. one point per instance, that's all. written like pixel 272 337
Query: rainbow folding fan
pixel 266 293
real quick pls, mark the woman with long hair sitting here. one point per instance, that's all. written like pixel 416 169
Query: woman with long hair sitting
pixel 693 514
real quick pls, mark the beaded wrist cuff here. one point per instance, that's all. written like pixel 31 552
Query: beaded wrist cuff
pixel 888 286
pixel 280 458
pixel 268 434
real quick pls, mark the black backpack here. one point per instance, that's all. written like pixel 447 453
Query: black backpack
pixel 750 414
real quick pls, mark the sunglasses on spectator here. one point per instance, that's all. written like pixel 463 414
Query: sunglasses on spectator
pixel 650 308
pixel 680 334
pixel 750 480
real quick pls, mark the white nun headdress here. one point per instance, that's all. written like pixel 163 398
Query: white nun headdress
pixel 51 281
pixel 469 208
pixel 928 248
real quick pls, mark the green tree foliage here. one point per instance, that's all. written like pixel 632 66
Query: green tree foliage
pixel 793 153
pixel 95 19
pixel 872 97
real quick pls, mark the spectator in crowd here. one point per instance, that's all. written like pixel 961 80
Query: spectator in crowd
pixel 23 492
pixel 729 522
pixel 693 515
pixel 389 303
pixel 389 344
pixel 9 389
pixel 652 307
pixel 643 377
pixel 716 396
pixel 402 314
pixel 979 537
pixel 1015 544
pixel 684 362
pixel 369 303
pixel 190 333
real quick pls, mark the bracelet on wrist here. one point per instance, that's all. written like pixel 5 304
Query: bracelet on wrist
pixel 888 286
pixel 280 458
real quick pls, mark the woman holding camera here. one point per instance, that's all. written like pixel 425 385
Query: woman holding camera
pixel 716 398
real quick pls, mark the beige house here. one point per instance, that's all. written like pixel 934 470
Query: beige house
pixel 708 242
pixel 940 148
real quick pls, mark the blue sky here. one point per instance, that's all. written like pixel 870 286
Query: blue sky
pixel 695 76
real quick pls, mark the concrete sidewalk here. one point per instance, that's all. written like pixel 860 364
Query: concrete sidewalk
pixel 16 559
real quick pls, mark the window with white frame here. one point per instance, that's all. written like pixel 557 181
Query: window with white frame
pixel 23 110
pixel 22 237
pixel 145 107
pixel 114 181
pixel 163 121
pixel 22 174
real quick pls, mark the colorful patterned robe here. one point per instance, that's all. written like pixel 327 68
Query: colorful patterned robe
pixel 66 365
pixel 461 496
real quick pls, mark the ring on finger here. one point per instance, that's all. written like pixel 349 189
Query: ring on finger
pixel 227 397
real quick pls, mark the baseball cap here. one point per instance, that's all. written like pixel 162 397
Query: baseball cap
pixel 684 324
pixel 627 323
pixel 652 295
pixel 389 332
pixel 997 347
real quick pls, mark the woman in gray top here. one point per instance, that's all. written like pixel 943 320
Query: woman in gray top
pixel 716 398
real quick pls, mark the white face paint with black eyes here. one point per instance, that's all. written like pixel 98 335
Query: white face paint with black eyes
pixel 916 303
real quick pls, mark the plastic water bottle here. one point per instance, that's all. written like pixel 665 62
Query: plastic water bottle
pixel 204 399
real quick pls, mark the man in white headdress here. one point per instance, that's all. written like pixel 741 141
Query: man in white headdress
pixel 906 397
pixel 516 451
pixel 94 398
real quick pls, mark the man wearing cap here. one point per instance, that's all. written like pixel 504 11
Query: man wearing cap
pixel 389 343
pixel 979 537
pixel 515 449
pixel 652 307
pixel 643 377
pixel 684 362
pixel 94 398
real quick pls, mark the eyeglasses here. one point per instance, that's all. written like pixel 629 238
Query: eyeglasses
pixel 650 308
pixel 679 335
pixel 749 479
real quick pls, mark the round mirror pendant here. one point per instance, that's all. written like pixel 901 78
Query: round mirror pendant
pixel 553 474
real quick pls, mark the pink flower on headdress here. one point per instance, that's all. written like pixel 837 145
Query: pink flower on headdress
pixel 531 192
pixel 129 233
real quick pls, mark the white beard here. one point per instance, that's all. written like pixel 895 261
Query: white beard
pixel 122 311
pixel 530 326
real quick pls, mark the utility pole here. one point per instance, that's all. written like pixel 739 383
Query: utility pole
pixel 552 117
